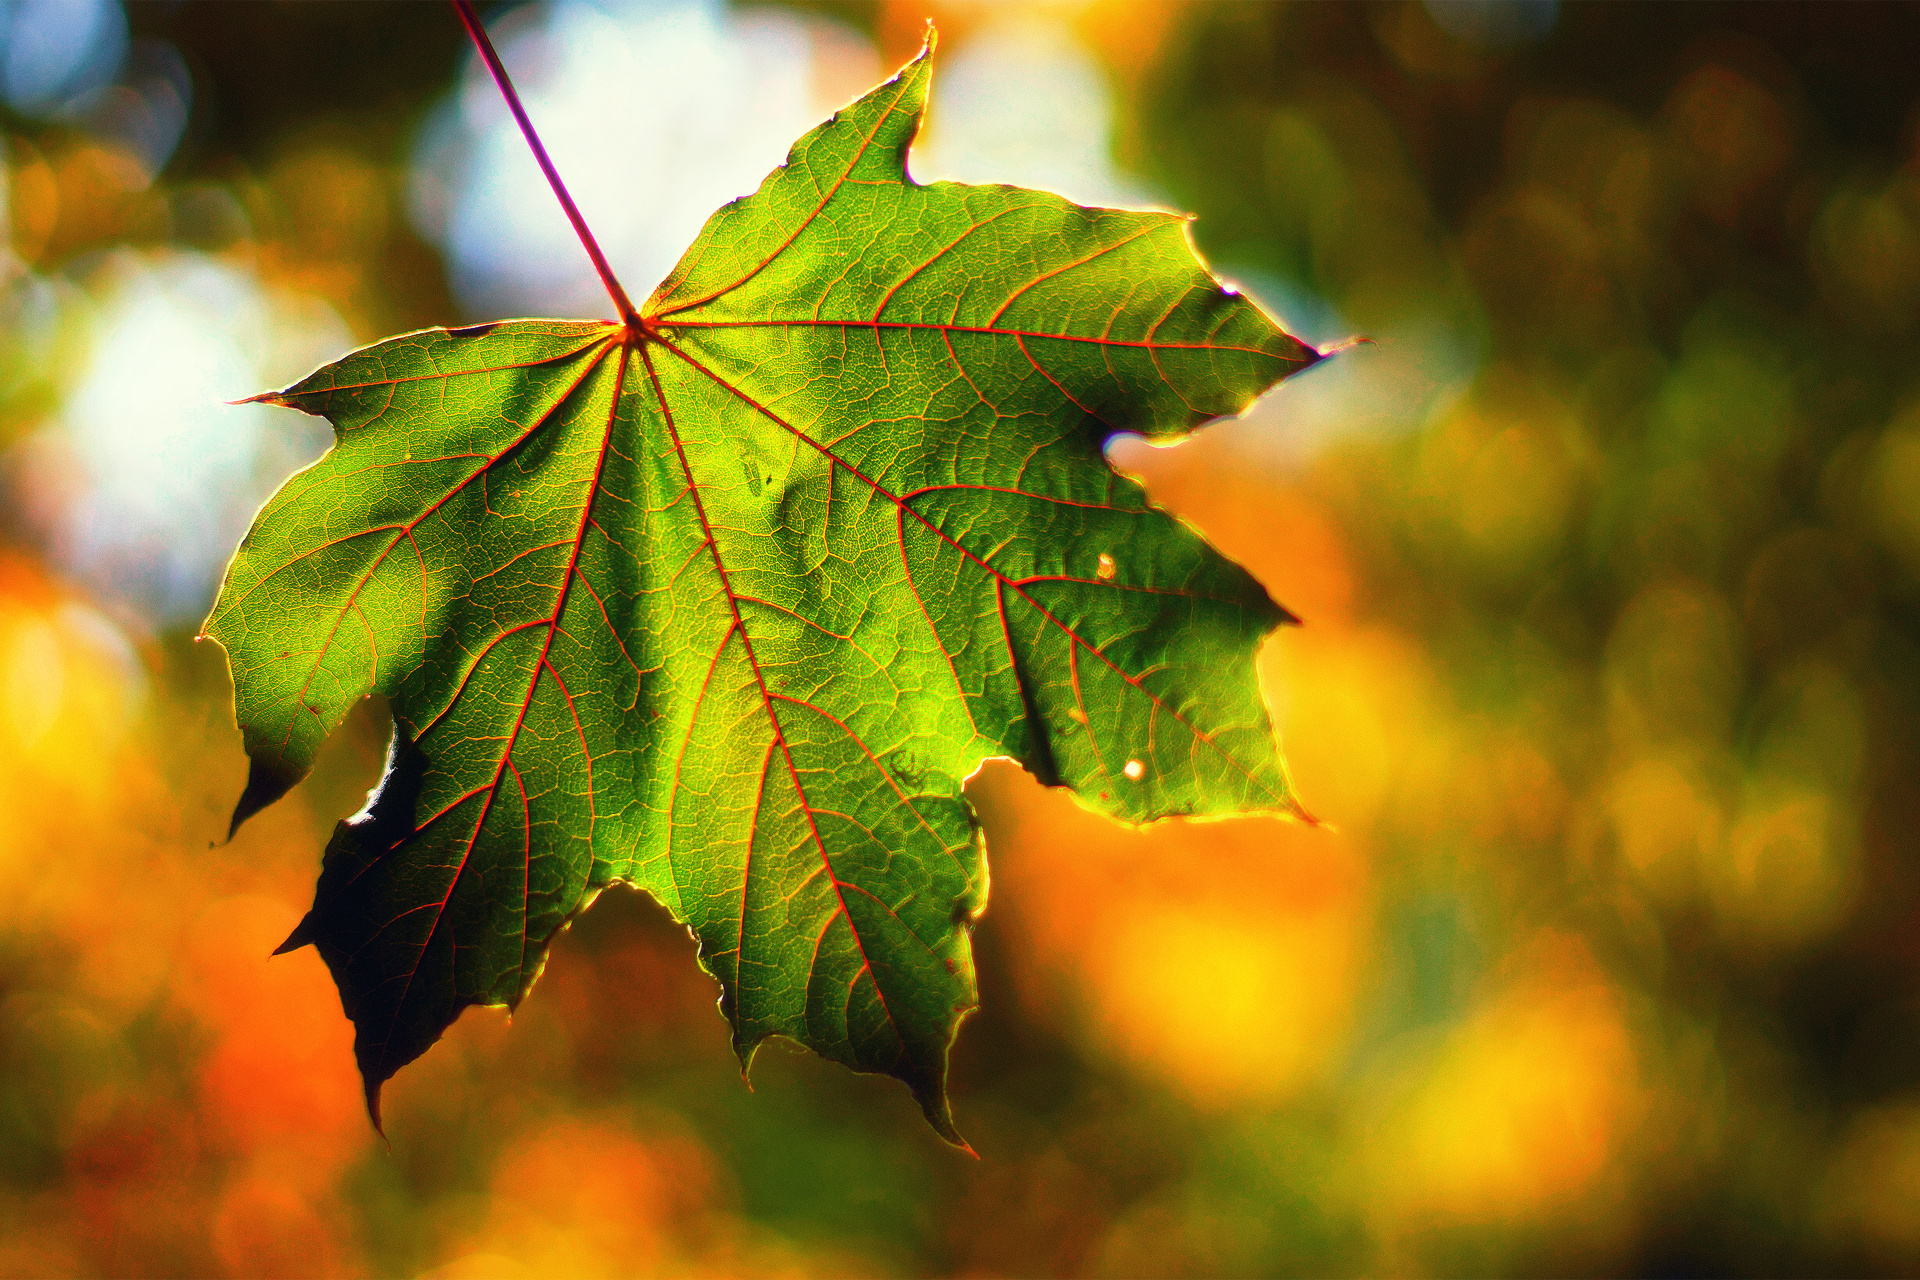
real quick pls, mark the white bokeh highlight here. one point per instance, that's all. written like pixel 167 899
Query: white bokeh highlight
pixel 53 50
pixel 157 475
pixel 1025 103
pixel 654 113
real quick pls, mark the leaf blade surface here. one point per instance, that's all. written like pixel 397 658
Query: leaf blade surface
pixel 728 608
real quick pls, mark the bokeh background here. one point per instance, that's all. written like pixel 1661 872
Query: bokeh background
pixel 1608 551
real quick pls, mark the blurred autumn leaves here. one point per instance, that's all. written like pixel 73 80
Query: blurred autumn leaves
pixel 1656 675
pixel 1609 555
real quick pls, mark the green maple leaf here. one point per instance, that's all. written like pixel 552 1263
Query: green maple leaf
pixel 727 601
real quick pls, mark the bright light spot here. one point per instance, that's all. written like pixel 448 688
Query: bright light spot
pixel 34 680
pixel 1135 770
pixel 119 678
pixel 70 685
pixel 1409 376
pixel 1024 103
pixel 1106 569
pixel 655 115
pixel 53 50
pixel 1228 1006
pixel 158 477
pixel 1518 1111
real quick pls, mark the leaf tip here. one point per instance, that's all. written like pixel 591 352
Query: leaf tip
pixel 940 1115
pixel 265 784
pixel 373 1109
pixel 744 1052
pixel 1298 812
pixel 1335 348
pixel 301 936
pixel 265 397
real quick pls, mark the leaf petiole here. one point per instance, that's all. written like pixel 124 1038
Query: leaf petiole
pixel 478 34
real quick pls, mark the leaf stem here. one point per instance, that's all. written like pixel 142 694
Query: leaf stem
pixel 478 34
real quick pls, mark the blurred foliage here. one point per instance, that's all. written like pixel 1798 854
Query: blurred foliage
pixel 1610 561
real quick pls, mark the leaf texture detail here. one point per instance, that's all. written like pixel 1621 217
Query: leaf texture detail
pixel 728 605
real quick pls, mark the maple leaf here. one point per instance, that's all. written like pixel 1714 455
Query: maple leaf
pixel 726 601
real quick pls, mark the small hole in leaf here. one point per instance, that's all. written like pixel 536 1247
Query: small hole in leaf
pixel 1135 770
pixel 1107 568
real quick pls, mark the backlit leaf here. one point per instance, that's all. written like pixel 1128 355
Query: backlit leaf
pixel 728 605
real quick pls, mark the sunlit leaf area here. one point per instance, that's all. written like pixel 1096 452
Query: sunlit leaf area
pixel 1607 549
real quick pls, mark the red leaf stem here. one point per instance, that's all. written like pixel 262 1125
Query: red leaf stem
pixel 478 34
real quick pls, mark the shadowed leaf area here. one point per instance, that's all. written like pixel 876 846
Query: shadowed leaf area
pixel 728 606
